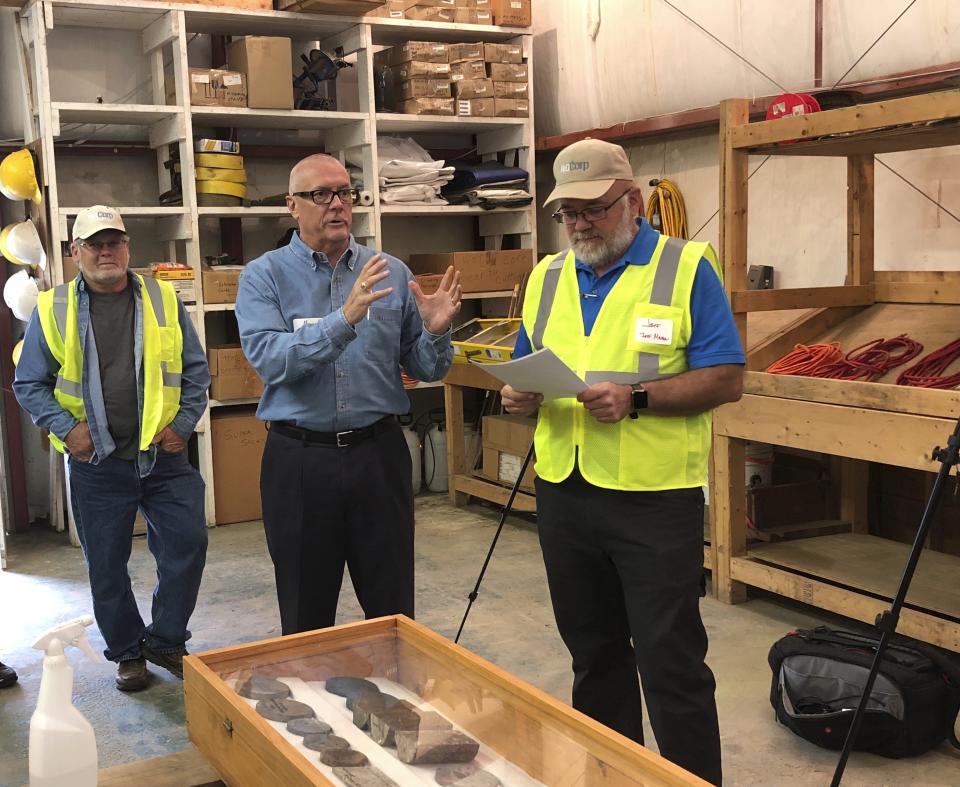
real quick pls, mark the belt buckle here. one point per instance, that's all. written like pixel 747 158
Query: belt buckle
pixel 341 444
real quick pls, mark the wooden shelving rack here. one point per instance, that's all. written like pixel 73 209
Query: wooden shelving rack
pixel 164 29
pixel 854 574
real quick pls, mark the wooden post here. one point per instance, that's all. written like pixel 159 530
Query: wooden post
pixel 860 220
pixel 854 494
pixel 728 488
pixel 456 454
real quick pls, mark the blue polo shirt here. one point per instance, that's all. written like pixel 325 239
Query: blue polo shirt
pixel 714 339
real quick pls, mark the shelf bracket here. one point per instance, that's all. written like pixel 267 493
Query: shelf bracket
pixel 161 32
pixel 166 131
pixel 349 135
pixel 509 138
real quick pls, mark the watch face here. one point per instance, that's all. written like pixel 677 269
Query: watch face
pixel 639 399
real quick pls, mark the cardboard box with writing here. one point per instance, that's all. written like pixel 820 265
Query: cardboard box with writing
pixel 507 72
pixel 210 87
pixel 238 442
pixel 473 88
pixel 475 107
pixel 510 90
pixel 462 52
pixel 468 69
pixel 266 61
pixel 392 9
pixel 250 5
pixel 429 282
pixel 426 106
pixel 511 107
pixel 503 53
pixel 338 7
pixel 422 51
pixel 220 283
pixel 232 376
pixel 506 440
pixel 430 14
pixel 418 68
pixel 512 13
pixel 480 271
pixel 471 16
pixel 423 86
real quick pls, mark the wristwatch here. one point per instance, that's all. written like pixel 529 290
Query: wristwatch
pixel 638 399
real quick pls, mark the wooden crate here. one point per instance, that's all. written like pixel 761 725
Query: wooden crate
pixel 549 741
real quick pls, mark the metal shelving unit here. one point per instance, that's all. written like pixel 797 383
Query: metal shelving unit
pixel 164 30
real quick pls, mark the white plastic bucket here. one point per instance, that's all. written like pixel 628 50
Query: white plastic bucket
pixel 759 464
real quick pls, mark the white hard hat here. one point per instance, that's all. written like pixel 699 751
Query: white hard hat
pixel 20 294
pixel 92 220
pixel 20 243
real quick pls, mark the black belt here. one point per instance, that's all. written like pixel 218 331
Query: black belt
pixel 337 439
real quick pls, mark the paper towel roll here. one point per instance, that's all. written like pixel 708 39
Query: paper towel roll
pixel 366 199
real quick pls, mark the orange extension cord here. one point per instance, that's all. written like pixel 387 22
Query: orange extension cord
pixel 806 359
pixel 868 362
pixel 926 373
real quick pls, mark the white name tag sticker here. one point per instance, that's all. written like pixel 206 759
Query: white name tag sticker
pixel 651 331
pixel 305 321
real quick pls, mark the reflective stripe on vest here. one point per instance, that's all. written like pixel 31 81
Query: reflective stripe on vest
pixel 170 379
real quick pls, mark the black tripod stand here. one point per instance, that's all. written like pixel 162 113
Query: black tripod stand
pixel 493 544
pixel 887 621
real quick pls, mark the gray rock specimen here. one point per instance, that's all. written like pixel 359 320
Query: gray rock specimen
pixel 257 688
pixel 434 747
pixel 307 726
pixel 284 710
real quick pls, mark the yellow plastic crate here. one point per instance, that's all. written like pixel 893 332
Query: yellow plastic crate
pixel 489 341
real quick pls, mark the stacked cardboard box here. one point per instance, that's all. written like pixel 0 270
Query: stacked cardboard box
pixel 464 12
pixel 486 80
pixel 266 62
pixel 210 87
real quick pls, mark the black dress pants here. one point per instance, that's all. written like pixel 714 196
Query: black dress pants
pixel 628 566
pixel 324 506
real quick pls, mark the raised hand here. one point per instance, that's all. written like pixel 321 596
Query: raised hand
pixel 363 294
pixel 437 310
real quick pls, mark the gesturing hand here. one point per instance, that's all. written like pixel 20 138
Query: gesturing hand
pixel 607 402
pixel 437 310
pixel 363 294
pixel 79 442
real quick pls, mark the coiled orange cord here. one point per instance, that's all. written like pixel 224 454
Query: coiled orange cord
pixel 806 359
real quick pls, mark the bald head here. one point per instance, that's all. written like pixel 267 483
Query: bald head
pixel 307 173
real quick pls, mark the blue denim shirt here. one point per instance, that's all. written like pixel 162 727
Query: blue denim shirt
pixel 320 372
pixel 37 376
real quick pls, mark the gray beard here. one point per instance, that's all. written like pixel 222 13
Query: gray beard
pixel 598 253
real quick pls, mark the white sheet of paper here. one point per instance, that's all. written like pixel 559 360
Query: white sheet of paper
pixel 540 372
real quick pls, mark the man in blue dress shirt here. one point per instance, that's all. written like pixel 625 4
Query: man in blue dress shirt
pixel 328 324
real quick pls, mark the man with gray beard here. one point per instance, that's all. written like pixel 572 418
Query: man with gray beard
pixel 644 320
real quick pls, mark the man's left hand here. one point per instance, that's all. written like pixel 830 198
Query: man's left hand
pixel 607 402
pixel 170 441
pixel 437 310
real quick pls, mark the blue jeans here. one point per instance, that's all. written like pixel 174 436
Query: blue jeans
pixel 105 500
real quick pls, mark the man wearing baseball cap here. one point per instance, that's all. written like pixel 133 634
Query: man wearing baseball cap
pixel 644 320
pixel 112 367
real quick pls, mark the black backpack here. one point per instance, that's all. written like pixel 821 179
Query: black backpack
pixel 818 679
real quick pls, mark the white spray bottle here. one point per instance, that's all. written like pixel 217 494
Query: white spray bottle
pixel 63 748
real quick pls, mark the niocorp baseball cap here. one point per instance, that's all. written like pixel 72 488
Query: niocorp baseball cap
pixel 92 220
pixel 587 170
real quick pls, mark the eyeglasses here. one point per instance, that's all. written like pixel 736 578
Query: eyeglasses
pixel 99 246
pixel 325 196
pixel 591 213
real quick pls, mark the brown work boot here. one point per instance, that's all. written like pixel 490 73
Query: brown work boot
pixel 172 662
pixel 132 675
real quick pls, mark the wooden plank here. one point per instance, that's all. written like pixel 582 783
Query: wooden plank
pixel 802 298
pixel 873 565
pixel 941 105
pixel 860 211
pixel 854 494
pixel 494 493
pixel 801 330
pixel 728 509
pixel 173 770
pixel 851 603
pixel 870 396
pixel 456 452
pixel 891 438
pixel 918 286
pixel 869 143
pixel 471 376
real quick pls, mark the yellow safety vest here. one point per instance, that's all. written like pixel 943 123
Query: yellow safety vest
pixel 641 334
pixel 162 354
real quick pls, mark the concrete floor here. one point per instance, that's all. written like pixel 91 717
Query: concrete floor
pixel 511 625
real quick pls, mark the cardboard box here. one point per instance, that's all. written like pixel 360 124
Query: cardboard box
pixel 251 5
pixel 338 7
pixel 430 14
pixel 393 9
pixel 461 52
pixel 510 90
pixel 506 440
pixel 220 283
pixel 238 442
pixel 468 69
pixel 211 87
pixel 473 88
pixel 507 72
pixel 423 51
pixel 216 146
pixel 512 13
pixel 266 61
pixel 471 16
pixel 511 108
pixel 418 68
pixel 426 106
pixel 423 86
pixel 476 107
pixel 429 282
pixel 503 53
pixel 232 377
pixel 480 271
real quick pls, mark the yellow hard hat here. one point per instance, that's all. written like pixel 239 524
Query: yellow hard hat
pixel 18 177
pixel 17 349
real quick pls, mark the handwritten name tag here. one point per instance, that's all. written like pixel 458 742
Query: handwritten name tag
pixel 305 321
pixel 650 331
